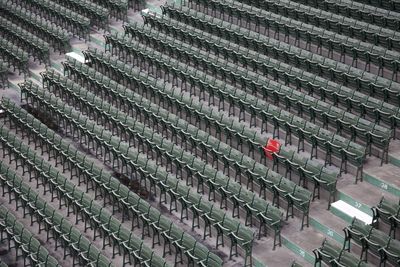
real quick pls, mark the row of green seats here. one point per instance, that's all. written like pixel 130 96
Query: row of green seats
pixel 244 101
pixel 222 123
pixel 118 8
pixel 216 181
pixel 30 246
pixel 3 74
pixel 334 255
pixel 393 5
pixel 71 157
pixel 97 14
pixel 308 170
pixel 310 34
pixel 372 240
pixel 118 152
pixel 129 76
pixel 301 58
pixel 388 212
pixel 35 46
pixel 296 264
pixel 356 155
pixel 339 95
pixel 359 11
pixel 38 26
pixel 60 15
pixel 14 56
pixel 369 132
pixel 184 161
pixel 289 74
pixel 335 22
pixel 83 251
pixel 102 220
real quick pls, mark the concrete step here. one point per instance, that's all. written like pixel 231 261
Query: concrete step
pixel 327 223
pixel 302 242
pixel 384 177
pixel 394 152
pixel 362 195
pixel 349 212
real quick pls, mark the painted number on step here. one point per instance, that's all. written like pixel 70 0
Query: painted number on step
pixel 358 205
pixel 384 186
pixel 330 232
pixel 302 253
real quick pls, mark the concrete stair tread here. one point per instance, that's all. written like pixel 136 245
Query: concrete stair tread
pixel 362 192
pixel 331 225
pixel 386 174
pixel 281 256
pixel 307 239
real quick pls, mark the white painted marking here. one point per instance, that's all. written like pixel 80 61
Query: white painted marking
pixel 352 211
pixel 76 56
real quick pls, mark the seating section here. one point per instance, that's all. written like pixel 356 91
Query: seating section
pixel 373 241
pixel 387 212
pixel 34 205
pixel 334 255
pixel 340 24
pixel 24 240
pixel 362 128
pixel 96 214
pixel 318 170
pixel 324 67
pixel 58 14
pixel 356 153
pixel 119 8
pixel 36 47
pixel 97 14
pixel 390 5
pixel 209 144
pixel 239 195
pixel 14 56
pixel 333 42
pixel 354 101
pixel 42 28
pixel 359 11
pixel 130 159
pixel 201 133
pixel 119 192
pixel 32 28
pixel 3 74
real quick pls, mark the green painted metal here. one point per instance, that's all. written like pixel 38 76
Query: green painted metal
pixel 394 160
pixel 326 230
pixel 56 65
pixel 96 41
pixel 156 9
pixel 34 75
pixel 76 50
pixel 258 263
pixel 383 185
pixel 341 215
pixel 14 86
pixel 298 250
